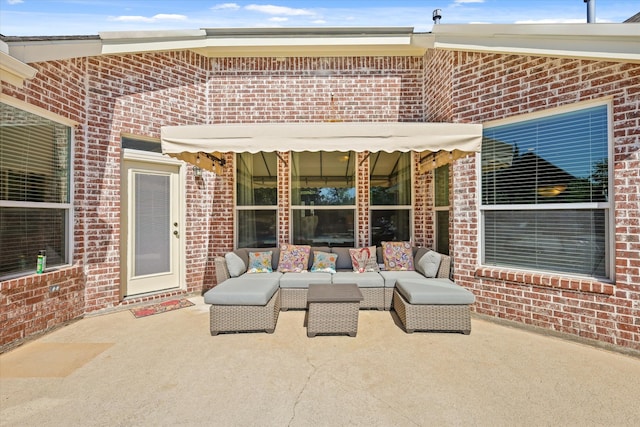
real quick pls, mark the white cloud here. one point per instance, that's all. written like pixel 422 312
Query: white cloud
pixel 270 9
pixel 169 17
pixel 230 6
pixel 155 18
pixel 15 1
pixel 278 19
pixel 319 21
pixel 467 1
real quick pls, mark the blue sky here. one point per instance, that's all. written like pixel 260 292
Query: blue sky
pixel 89 17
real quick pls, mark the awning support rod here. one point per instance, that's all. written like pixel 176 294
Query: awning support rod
pixel 213 158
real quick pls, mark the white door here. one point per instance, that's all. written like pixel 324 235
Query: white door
pixel 151 224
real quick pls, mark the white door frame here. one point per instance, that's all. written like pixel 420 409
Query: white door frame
pixel 153 159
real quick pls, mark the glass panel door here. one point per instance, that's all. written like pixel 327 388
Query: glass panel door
pixel 151 225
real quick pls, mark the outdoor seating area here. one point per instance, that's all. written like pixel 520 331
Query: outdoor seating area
pixel 255 284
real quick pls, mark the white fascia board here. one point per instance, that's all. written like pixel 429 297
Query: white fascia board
pixel 560 30
pixel 263 46
pixel 151 46
pixel 52 50
pixel 556 51
pixel 308 41
pixel 614 42
pixel 13 71
pixel 119 42
pixel 126 36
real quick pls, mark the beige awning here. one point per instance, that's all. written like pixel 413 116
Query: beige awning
pixel 185 142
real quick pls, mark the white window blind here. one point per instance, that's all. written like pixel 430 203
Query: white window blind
pixel 545 197
pixel 34 191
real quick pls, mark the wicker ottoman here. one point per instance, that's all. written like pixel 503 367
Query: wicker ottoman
pixel 333 309
pixel 238 305
pixel 439 306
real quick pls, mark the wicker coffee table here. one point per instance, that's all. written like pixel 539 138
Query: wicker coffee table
pixel 333 309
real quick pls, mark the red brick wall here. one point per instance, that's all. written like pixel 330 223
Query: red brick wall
pixel 363 235
pixel 134 94
pixel 37 303
pixel 137 94
pixel 438 89
pixel 28 304
pixel 109 96
pixel 487 87
pixel 254 90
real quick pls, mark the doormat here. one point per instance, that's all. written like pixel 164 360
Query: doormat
pixel 161 307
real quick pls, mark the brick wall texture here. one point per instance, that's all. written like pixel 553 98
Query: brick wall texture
pixel 111 96
pixel 488 87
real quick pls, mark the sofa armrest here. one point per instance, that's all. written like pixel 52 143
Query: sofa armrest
pixel 222 272
pixel 444 271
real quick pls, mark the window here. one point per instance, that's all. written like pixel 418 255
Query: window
pixel 545 193
pixel 256 200
pixel 441 208
pixel 323 198
pixel 35 207
pixel 390 181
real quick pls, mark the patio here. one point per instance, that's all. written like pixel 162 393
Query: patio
pixel 166 369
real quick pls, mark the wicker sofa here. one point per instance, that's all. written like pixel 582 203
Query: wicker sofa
pixel 294 286
pixel 414 296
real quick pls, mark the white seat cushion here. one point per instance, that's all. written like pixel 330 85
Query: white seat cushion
pixel 243 291
pixel 434 291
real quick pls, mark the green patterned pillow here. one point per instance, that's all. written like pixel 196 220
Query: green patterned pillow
pixel 260 262
pixel 324 262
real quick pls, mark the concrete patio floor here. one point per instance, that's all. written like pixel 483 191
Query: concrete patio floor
pixel 166 369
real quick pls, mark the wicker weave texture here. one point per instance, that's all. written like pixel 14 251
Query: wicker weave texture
pixel 373 298
pixel 222 272
pixel 427 317
pixel 293 298
pixel 332 318
pixel 236 318
pixel 388 298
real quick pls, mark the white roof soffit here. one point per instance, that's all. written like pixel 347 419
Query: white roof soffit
pixel 335 136
pixel 39 49
pixel 615 42
pixel 118 42
pixel 269 42
pixel 13 71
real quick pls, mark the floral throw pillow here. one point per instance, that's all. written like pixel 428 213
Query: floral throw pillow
pixel 293 258
pixel 397 256
pixel 260 262
pixel 324 262
pixel 364 259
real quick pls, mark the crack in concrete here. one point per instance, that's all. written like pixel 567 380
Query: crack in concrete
pixel 302 390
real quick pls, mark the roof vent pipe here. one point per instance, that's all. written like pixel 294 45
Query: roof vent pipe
pixel 437 15
pixel 591 11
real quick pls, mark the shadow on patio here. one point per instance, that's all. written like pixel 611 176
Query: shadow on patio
pixel 167 370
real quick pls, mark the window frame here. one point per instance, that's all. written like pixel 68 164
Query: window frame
pixel 409 208
pixel 353 208
pixel 68 206
pixel 441 208
pixel 608 207
pixel 237 208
